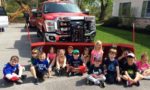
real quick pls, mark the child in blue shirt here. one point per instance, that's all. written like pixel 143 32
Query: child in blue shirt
pixel 76 65
pixel 112 67
pixel 40 68
pixel 13 70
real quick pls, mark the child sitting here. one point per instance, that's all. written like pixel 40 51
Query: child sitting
pixel 97 51
pixel 34 55
pixel 123 60
pixel 69 53
pixel 96 72
pixel 51 56
pixel 76 65
pixel 86 57
pixel 61 63
pixel 131 75
pixel 144 66
pixel 112 67
pixel 40 68
pixel 13 70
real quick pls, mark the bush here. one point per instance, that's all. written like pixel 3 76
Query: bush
pixel 147 27
pixel 112 22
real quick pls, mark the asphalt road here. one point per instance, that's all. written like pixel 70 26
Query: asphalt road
pixel 14 41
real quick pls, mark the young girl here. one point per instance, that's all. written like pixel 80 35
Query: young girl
pixel 61 63
pixel 144 66
pixel 86 57
pixel 51 56
pixel 97 51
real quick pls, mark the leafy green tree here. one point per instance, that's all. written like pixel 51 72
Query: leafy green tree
pixel 98 6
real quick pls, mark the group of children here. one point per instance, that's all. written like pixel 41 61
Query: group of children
pixel 100 69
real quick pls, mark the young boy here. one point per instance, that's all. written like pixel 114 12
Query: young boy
pixel 13 71
pixel 76 65
pixel 131 75
pixel 40 68
pixel 112 67
pixel 96 73
pixel 34 55
pixel 69 53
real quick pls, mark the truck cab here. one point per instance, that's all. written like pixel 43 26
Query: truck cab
pixel 64 21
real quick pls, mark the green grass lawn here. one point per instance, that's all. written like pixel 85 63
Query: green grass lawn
pixel 111 35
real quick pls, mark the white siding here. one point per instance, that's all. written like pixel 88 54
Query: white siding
pixel 136 7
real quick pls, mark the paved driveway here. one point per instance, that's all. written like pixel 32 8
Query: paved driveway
pixel 14 41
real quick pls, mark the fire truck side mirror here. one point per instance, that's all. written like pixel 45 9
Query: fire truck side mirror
pixel 86 11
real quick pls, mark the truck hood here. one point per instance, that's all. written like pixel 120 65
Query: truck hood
pixel 52 16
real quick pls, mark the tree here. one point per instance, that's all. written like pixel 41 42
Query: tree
pixel 100 5
pixel 103 8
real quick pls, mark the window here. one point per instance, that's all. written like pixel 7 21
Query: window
pixel 60 7
pixel 124 9
pixel 146 9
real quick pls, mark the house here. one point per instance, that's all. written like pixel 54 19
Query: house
pixel 137 10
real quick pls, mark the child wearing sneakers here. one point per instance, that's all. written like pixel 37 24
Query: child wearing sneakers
pixel 131 74
pixel 40 68
pixel 112 67
pixel 13 70
pixel 144 66
pixel 96 73
pixel 76 65
pixel 61 63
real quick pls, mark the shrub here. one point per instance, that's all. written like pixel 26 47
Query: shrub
pixel 112 22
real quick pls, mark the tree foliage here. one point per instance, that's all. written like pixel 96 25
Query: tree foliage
pixel 100 7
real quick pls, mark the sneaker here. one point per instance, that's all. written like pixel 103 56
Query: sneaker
pixel 19 81
pixel 69 74
pixel 102 85
pixel 137 84
pixel 128 84
pixel 87 82
pixel 35 81
pixel 23 77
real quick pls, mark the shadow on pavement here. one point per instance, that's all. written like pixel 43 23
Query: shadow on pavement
pixel 81 82
pixel 4 84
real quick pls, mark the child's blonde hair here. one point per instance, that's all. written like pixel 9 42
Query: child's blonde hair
pixel 41 54
pixel 35 51
pixel 144 55
pixel 98 42
pixel 113 50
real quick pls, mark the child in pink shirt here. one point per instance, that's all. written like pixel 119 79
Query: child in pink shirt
pixel 144 66
pixel 97 51
pixel 51 56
